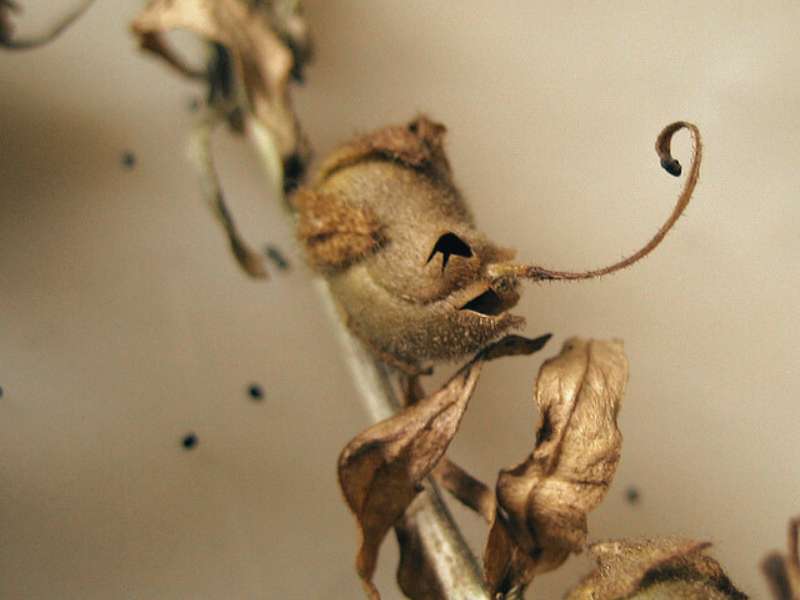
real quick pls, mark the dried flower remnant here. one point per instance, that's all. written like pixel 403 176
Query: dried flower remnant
pixel 653 569
pixel 267 41
pixel 381 469
pixel 9 42
pixel 542 503
pixel 783 572
pixel 255 48
pixel 386 226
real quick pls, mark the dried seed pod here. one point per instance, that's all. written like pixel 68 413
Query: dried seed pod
pixel 655 568
pixel 415 279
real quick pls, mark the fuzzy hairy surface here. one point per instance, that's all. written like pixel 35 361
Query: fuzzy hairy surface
pixel 370 224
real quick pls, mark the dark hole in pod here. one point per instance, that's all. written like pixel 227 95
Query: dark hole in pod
pixel 448 244
pixel 488 303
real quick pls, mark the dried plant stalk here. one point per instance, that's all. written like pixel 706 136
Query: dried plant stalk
pixel 449 559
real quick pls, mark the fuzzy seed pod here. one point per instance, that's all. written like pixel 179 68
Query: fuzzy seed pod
pixel 415 280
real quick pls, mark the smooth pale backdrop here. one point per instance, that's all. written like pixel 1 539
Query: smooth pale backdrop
pixel 125 324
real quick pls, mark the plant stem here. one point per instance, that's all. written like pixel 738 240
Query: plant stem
pixel 455 567
pixel 446 552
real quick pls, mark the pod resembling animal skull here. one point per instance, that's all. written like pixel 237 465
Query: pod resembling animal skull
pixel 415 280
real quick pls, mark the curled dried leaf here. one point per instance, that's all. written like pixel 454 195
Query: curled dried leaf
pixel 783 572
pixel 543 502
pixel 381 469
pixel 266 40
pixel 654 568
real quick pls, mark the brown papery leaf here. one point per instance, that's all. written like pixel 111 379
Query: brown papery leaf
pixel 783 572
pixel 257 35
pixel 658 568
pixel 542 502
pixel 381 469
pixel 414 573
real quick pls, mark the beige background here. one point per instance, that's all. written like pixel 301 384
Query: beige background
pixel 124 323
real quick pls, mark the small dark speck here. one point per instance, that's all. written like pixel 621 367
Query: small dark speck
pixel 128 159
pixel 632 495
pixel 1 392
pixel 193 105
pixel 256 391
pixel 277 257
pixel 189 441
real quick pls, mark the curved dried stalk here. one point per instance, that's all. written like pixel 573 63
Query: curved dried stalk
pixel 671 166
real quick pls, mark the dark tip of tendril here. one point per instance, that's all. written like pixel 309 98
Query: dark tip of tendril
pixel 671 166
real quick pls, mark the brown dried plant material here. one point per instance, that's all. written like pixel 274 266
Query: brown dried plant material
pixel 543 502
pixel 468 490
pixel 415 576
pixel 334 235
pixel 783 572
pixel 255 47
pixel 55 29
pixel 249 260
pixel 436 288
pixel 658 568
pixel 255 34
pixel 381 469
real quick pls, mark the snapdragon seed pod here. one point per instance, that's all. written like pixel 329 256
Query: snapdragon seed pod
pixel 415 280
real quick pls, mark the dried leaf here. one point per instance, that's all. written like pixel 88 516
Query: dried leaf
pixel 381 469
pixel 654 568
pixel 415 576
pixel 542 502
pixel 783 572
pixel 258 36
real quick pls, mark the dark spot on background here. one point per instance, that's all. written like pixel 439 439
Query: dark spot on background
pixel 189 441
pixel 255 391
pixel 1 391
pixel 632 495
pixel 128 159
pixel 193 105
pixel 277 257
